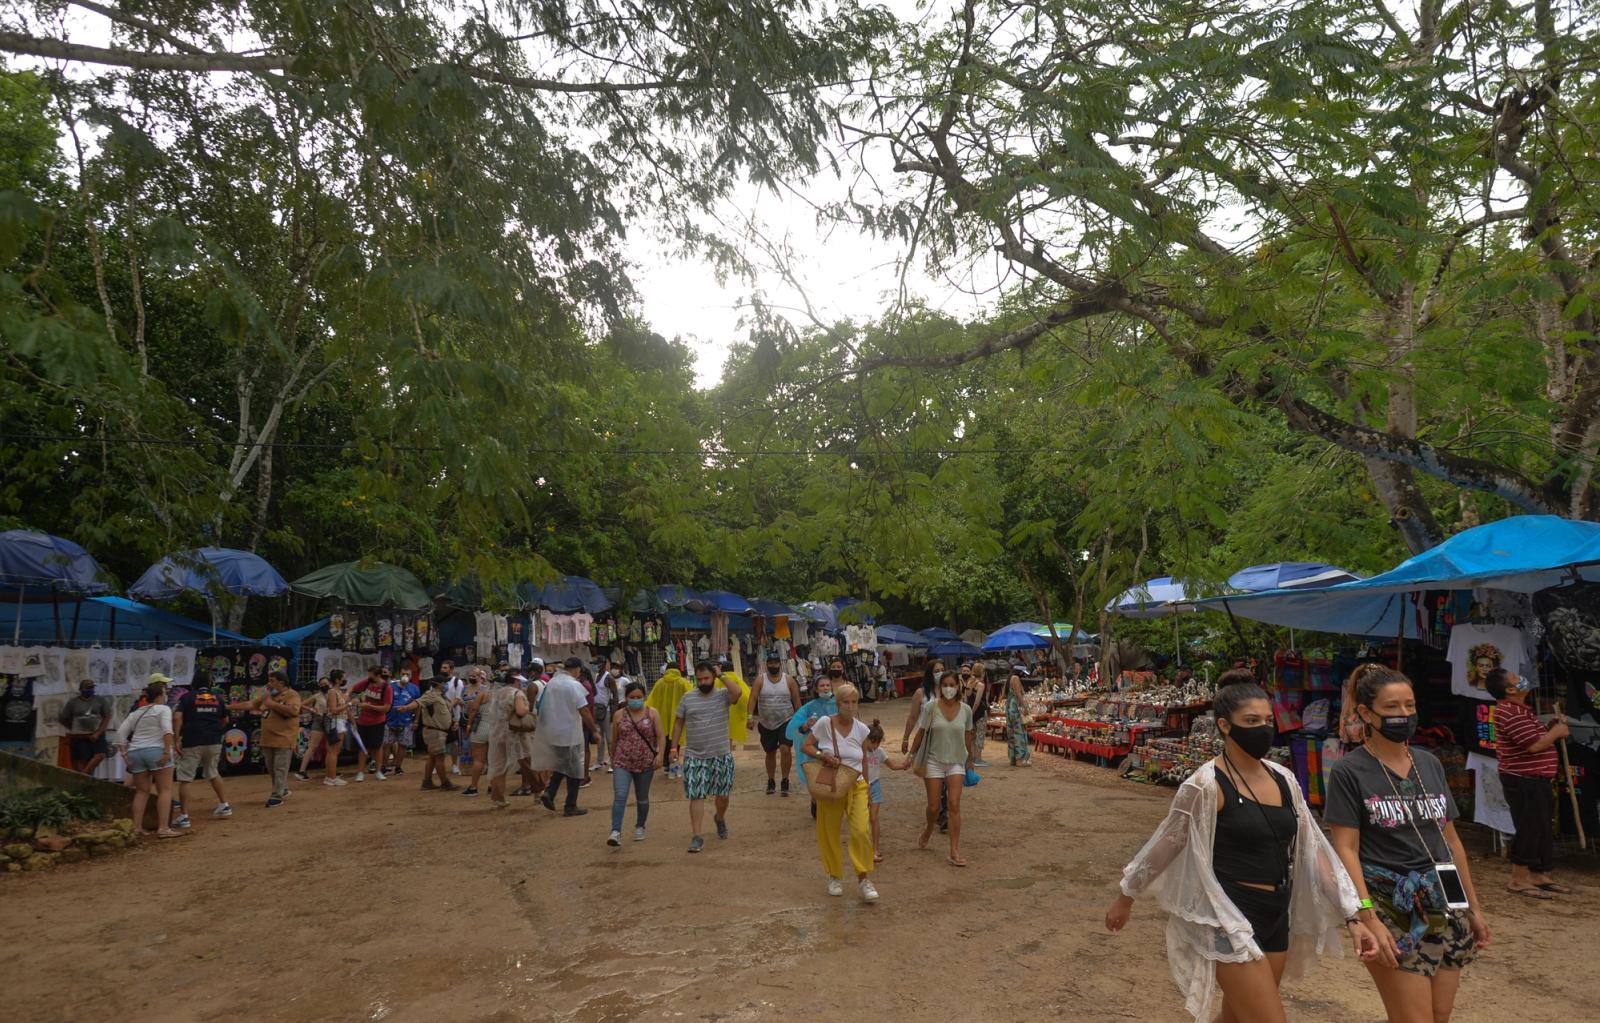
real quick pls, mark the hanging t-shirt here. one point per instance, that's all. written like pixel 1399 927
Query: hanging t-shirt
pixel 1476 650
pixel 17 712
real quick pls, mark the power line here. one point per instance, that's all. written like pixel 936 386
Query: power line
pixel 89 441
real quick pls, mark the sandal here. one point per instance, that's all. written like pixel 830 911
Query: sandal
pixel 954 862
pixel 168 833
pixel 877 857
pixel 1530 893
pixel 524 791
pixel 1554 888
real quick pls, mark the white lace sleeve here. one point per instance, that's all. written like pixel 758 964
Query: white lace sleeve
pixel 1170 840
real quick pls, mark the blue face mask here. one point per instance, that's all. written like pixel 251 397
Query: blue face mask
pixel 634 703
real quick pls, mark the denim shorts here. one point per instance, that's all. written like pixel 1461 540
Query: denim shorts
pixel 875 792
pixel 143 761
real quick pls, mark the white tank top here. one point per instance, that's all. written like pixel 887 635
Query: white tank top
pixel 774 708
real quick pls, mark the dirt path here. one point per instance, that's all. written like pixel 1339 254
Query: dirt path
pixel 377 902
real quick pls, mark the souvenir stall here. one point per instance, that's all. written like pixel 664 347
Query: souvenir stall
pixel 1511 594
pixel 380 614
pixel 1111 726
pixel 904 650
pixel 113 641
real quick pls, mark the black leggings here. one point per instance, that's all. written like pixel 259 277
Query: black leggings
pixel 1532 806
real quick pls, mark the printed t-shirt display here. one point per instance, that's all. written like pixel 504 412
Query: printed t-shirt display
pixel 1476 650
pixel 1363 793
pixel 17 713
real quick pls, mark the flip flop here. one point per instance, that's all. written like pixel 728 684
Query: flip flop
pixel 1530 893
pixel 1553 888
pixel 955 862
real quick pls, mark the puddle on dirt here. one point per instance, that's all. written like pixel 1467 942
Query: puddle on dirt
pixel 1008 882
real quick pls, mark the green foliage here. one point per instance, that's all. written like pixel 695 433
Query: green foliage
pixel 45 807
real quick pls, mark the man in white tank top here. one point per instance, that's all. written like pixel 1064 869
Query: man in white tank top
pixel 775 698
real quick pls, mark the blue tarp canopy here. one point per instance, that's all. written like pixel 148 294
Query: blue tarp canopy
pixel 728 603
pixel 1014 639
pixel 39 564
pixel 294 637
pixel 664 598
pixel 567 595
pixel 1287 575
pixel 821 613
pixel 111 620
pixel 850 611
pixel 940 636
pixel 1524 554
pixel 688 621
pixel 956 649
pixel 1157 598
pixel 773 608
pixel 209 570
pixel 903 636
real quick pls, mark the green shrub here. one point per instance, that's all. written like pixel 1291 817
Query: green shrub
pixel 43 807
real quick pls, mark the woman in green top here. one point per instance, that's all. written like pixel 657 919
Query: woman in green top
pixel 946 726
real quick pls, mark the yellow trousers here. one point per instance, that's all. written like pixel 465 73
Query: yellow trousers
pixel 830 814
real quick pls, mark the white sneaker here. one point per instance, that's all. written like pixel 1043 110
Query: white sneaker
pixel 869 891
pixel 333 783
pixel 381 776
pixel 456 771
pixel 224 810
pixel 615 839
pixel 361 776
pixel 638 834
pixel 835 887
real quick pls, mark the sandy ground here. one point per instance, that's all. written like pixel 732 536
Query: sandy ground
pixel 379 902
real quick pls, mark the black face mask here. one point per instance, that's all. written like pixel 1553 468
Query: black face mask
pixel 1255 741
pixel 1399 728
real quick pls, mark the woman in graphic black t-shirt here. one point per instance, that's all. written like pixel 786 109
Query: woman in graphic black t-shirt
pixel 1393 820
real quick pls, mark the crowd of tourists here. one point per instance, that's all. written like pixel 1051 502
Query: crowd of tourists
pixel 1253 887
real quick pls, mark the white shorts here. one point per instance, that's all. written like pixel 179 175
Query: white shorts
pixel 937 770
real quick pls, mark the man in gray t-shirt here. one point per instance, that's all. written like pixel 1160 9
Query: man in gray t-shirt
pixel 700 735
pixel 86 718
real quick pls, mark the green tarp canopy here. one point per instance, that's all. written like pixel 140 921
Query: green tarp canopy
pixel 375 585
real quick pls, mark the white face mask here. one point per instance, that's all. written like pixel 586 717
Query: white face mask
pixel 949 692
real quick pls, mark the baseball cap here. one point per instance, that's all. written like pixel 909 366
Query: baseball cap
pixel 156 676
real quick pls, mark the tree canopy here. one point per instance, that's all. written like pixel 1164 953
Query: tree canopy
pixel 1306 280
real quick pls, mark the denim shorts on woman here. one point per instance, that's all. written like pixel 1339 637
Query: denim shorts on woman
pixel 143 761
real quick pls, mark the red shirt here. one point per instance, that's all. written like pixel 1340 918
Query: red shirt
pixel 373 698
pixel 1516 729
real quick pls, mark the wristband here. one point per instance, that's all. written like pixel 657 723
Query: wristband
pixel 1364 904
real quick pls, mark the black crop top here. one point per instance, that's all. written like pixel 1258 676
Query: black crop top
pixel 1254 843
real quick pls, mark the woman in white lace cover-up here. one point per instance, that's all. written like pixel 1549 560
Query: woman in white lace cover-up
pixel 1260 901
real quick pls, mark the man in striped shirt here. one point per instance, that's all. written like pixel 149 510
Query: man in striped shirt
pixel 1527 774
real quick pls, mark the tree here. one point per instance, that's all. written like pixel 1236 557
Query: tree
pixel 1376 230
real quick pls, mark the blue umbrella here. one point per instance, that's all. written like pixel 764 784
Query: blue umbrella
pixel 940 635
pixel 1287 575
pixel 821 613
pixel 772 608
pixel 956 649
pixel 38 565
pixel 728 603
pixel 850 611
pixel 1014 639
pixel 209 570
pixel 567 595
pixel 903 636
